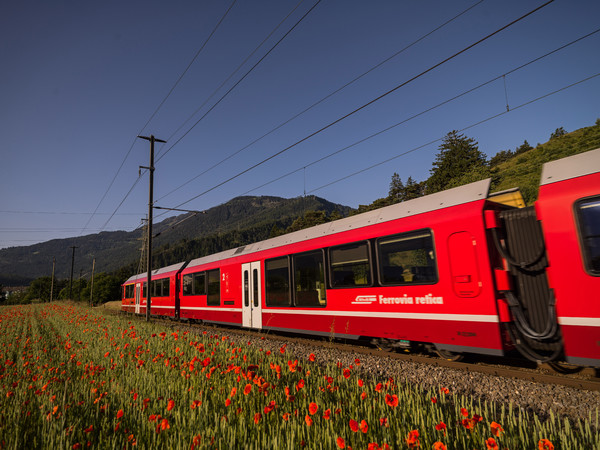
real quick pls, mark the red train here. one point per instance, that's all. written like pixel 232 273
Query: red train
pixel 460 271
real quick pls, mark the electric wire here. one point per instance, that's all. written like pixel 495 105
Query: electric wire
pixel 151 117
pixel 323 99
pixel 234 72
pixel 481 85
pixel 239 81
pixel 522 105
pixel 367 104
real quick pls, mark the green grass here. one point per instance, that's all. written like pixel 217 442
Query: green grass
pixel 73 377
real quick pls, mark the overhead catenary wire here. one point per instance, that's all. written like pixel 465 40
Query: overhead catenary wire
pixel 318 102
pixel 360 108
pixel 414 116
pixel 495 116
pixel 238 82
pixel 150 119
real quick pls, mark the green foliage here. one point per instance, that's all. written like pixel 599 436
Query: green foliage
pixel 458 156
pixel 560 131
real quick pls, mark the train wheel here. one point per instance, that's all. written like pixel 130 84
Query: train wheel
pixel 564 368
pixel 448 355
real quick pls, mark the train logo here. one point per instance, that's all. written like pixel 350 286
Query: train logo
pixel 364 299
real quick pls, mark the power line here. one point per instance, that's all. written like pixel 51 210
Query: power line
pixel 235 71
pixel 367 104
pixel 324 98
pixel 495 116
pixel 414 116
pixel 64 213
pixel 239 81
pixel 151 117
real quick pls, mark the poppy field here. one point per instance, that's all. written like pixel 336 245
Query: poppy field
pixel 72 377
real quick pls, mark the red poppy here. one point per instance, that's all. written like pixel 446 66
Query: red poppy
pixel 441 427
pixel 308 420
pixel 445 390
pixel 353 425
pixel 439 446
pixel 491 444
pixel 227 402
pixel 433 400
pixel 164 424
pixel 464 412
pixel 346 373
pixel 469 424
pixel 311 357
pixel 233 392
pixel 378 387
pixel 257 417
pixel 363 426
pixel 340 442
pixel 77 446
pixel 496 429
pixel 286 416
pixel 313 408
pixel 391 400
pixel 89 429
pixel 170 405
pixel 299 385
pixel 282 349
pixel 545 444
pixel 360 383
pixel 413 439
pixel 247 389
pixel 383 422
pixel 119 414
pixel 327 414
pixel 152 418
pixel 363 396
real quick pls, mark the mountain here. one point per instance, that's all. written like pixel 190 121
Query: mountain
pixel 116 249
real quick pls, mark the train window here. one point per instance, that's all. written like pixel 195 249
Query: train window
pixel 157 288
pixel 129 291
pixel 214 288
pixel 309 279
pixel 166 287
pixel 277 280
pixel 350 265
pixel 588 212
pixel 194 283
pixel 188 284
pixel 407 258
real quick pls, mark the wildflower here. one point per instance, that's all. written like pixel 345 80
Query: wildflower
pixel 469 424
pixel 227 402
pixel 413 439
pixel 433 400
pixel 464 412
pixel 383 422
pixel 195 404
pixel 391 400
pixel 308 420
pixel 313 408
pixel 445 390
pixel 247 389
pixel 346 373
pixel 119 414
pixel 496 429
pixel 439 446
pixel 311 357
pixel 378 387
pixel 76 446
pixel 340 442
pixel 360 383
pixel 363 426
pixel 299 385
pixel 164 424
pixel 327 414
pixel 170 405
pixel 491 444
pixel 545 444
pixel 441 427
pixel 233 392
pixel 196 441
pixel 89 429
pixel 286 416
pixel 282 349
pixel 257 418
pixel 353 425
pixel 363 395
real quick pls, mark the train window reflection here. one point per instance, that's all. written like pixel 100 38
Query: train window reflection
pixel 407 259
pixel 309 279
pixel 589 228
pixel 350 265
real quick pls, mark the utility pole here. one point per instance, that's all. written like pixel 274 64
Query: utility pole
pixel 152 140
pixel 79 284
pixel 92 287
pixel 52 282
pixel 72 264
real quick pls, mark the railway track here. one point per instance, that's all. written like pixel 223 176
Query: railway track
pixel 588 379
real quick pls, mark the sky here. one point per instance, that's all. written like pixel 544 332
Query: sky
pixel 371 86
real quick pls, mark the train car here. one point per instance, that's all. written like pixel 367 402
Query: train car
pixel 459 271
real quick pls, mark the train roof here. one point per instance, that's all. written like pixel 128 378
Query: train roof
pixel 440 200
pixel 571 167
pixel 155 272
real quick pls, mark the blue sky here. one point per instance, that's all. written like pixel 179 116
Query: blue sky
pixel 80 79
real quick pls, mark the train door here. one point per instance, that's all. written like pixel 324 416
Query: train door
pixel 137 298
pixel 251 295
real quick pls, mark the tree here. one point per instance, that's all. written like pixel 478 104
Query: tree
pixel 525 147
pixel 310 219
pixel 396 192
pixel 458 155
pixel 501 156
pixel 560 131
